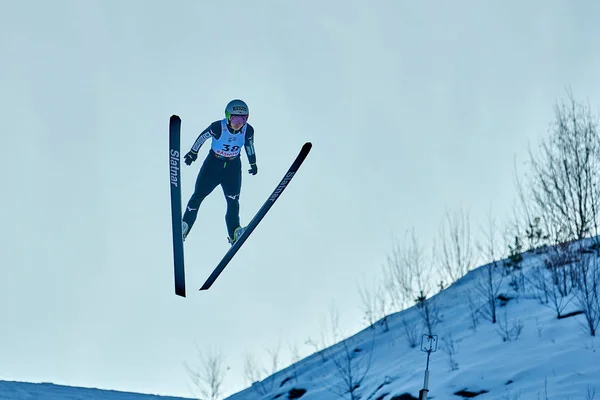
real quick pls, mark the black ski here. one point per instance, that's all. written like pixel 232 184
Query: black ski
pixel 259 215
pixel 175 168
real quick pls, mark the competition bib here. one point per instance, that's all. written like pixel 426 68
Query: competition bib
pixel 229 144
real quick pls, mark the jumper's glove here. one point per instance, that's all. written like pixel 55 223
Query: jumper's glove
pixel 190 157
pixel 253 169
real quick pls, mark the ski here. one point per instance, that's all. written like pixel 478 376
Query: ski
pixel 259 215
pixel 175 172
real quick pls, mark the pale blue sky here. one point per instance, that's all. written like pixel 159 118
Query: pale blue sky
pixel 411 108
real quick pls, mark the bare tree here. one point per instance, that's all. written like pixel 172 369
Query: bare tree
pixel 565 184
pixel 488 284
pixel 295 358
pixel 391 286
pixel 384 307
pixel 539 282
pixel 507 332
pixel 524 222
pixel 408 279
pixel 415 281
pixel 274 356
pixel 490 276
pixel 411 333
pixel 561 261
pixel 256 375
pixel 456 254
pixel 329 333
pixel 398 279
pixel 209 375
pixel 410 272
pixel 591 393
pixel 429 313
pixel 588 292
pixel 352 364
pixel 368 295
pixel 474 310
pixel 558 279
pixel 491 244
pixel 376 304
pixel 252 370
pixel 548 285
pixel 351 360
pixel 262 379
pixel 451 349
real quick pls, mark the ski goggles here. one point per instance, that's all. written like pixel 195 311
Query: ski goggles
pixel 238 119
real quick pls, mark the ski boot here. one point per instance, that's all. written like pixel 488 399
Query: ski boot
pixel 239 231
pixel 185 229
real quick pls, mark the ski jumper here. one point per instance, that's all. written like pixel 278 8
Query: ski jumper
pixel 222 166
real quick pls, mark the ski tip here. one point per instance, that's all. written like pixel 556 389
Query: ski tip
pixel 175 117
pixel 180 289
pixel 307 146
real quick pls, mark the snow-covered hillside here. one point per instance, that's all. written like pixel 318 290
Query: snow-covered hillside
pixel 528 354
pixel 47 391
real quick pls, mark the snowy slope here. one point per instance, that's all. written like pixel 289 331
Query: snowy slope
pixel 48 391
pixel 551 358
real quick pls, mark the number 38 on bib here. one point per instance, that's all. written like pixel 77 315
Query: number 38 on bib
pixel 229 144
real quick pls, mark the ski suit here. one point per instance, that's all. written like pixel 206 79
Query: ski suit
pixel 222 166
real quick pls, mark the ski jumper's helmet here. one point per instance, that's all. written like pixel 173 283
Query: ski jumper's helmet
pixel 236 107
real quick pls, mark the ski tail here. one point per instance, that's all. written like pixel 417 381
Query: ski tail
pixel 259 215
pixel 175 173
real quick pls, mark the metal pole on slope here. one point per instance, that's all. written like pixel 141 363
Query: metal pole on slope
pixel 428 345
